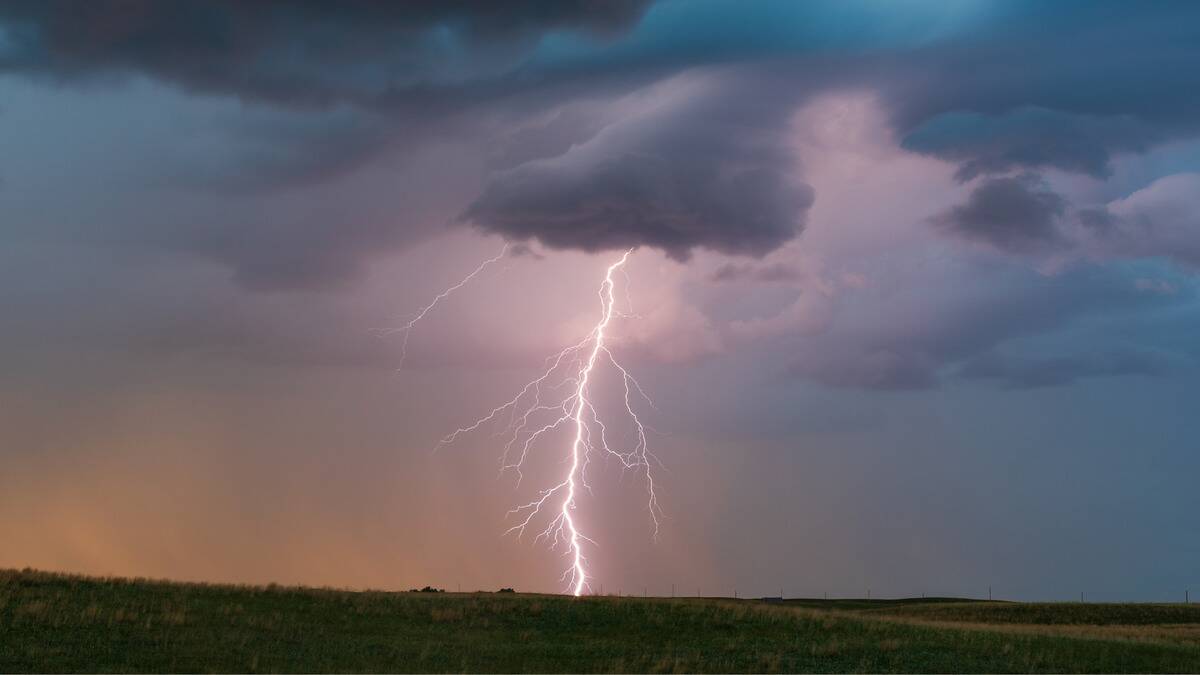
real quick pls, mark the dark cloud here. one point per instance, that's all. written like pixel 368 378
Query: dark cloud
pixel 1061 85
pixel 331 91
pixel 524 251
pixel 1030 138
pixel 996 89
pixel 565 127
pixel 263 149
pixel 1018 214
pixel 1098 219
pixel 296 52
pixel 1030 373
pixel 706 168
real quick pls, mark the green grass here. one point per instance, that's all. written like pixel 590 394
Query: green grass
pixel 57 623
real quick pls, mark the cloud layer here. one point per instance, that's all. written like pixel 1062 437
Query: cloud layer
pixel 1017 214
pixel 306 53
pixel 694 158
pixel 699 168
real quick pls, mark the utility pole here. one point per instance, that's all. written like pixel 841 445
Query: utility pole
pixel 989 593
pixel 868 594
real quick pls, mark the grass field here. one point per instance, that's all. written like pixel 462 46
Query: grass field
pixel 58 623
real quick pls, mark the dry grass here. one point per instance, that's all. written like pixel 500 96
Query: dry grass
pixel 1186 634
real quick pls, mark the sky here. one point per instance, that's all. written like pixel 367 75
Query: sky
pixel 913 290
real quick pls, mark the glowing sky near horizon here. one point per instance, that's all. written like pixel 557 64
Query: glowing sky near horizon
pixel 910 321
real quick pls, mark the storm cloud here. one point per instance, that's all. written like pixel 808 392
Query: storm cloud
pixel 998 89
pixel 1018 214
pixel 706 168
pixel 1030 137
pixel 306 53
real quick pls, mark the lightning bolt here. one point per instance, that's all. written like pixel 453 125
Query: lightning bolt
pixel 406 329
pixel 531 416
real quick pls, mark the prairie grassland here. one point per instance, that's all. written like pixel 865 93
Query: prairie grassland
pixel 1137 622
pixel 1056 613
pixel 58 623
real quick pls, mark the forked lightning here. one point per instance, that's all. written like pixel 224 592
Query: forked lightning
pixel 537 410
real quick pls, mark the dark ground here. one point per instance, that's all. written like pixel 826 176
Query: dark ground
pixel 58 623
